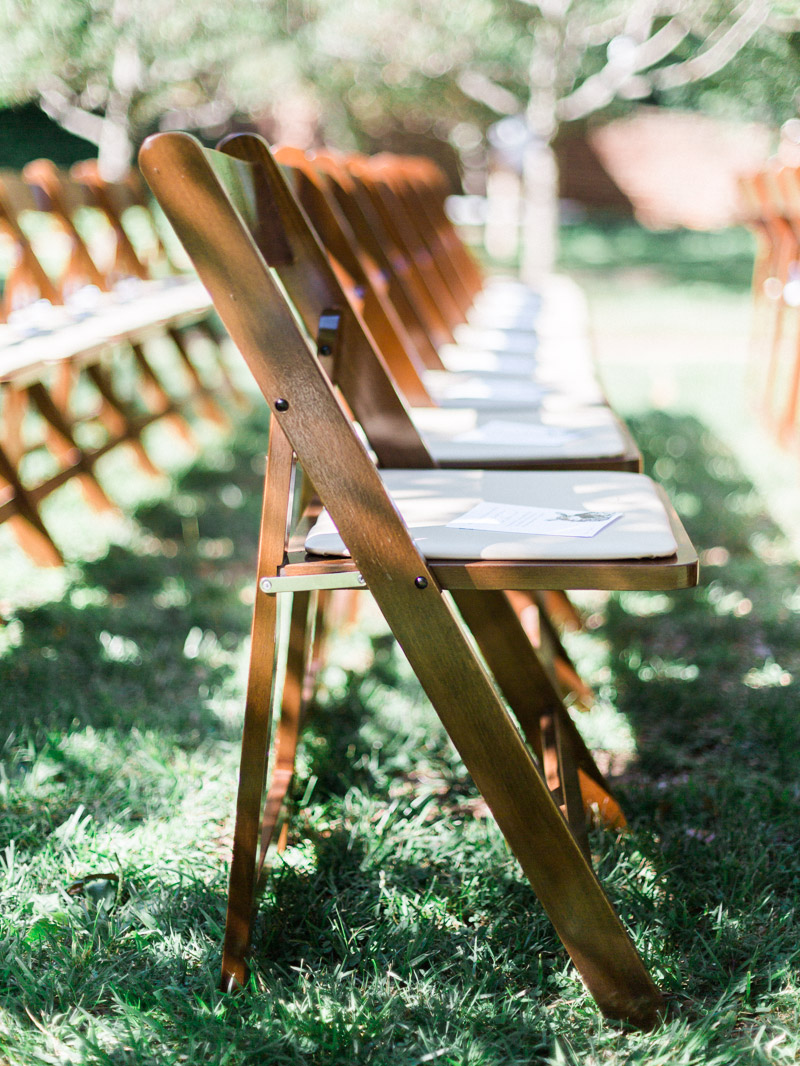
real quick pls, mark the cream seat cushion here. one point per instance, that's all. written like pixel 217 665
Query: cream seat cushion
pixel 496 339
pixel 459 434
pixel 49 335
pixel 487 390
pixel 429 499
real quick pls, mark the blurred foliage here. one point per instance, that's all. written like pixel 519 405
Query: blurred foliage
pixel 605 246
pixel 363 69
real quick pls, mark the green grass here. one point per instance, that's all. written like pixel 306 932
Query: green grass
pixel 601 245
pixel 396 929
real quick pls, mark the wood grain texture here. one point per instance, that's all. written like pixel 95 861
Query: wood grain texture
pixel 401 581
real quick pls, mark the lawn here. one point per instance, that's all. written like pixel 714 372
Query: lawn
pixel 396 929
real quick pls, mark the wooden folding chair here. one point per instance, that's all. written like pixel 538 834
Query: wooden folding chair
pixel 63 404
pixel 314 287
pixel 221 208
pixel 506 314
pixel 310 280
pixel 785 253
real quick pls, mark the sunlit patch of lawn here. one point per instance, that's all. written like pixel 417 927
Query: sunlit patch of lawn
pixel 396 928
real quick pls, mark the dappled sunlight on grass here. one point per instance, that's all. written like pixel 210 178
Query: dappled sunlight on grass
pixel 395 928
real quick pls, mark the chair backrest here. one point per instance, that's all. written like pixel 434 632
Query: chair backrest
pixel 60 198
pixel 113 199
pixel 431 188
pixel 359 273
pixel 27 279
pixel 433 292
pixel 288 242
pixel 407 289
pixel 428 238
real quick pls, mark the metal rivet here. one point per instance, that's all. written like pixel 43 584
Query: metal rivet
pixel 325 349
pixel 361 580
pixel 281 405
pixel 421 582
pixel 265 584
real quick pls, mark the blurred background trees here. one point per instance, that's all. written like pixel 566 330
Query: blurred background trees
pixel 396 73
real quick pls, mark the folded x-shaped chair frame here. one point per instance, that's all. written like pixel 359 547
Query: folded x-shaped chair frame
pixel 231 219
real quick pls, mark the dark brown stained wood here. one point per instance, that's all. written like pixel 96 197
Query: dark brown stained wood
pixel 257 714
pixel 365 283
pixel 363 375
pixel 406 291
pixel 401 582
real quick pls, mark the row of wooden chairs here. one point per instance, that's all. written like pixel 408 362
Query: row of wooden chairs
pixel 771 208
pixel 405 390
pixel 90 293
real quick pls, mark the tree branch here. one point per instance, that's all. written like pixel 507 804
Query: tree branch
pixel 478 87
pixel 208 114
pixel 716 55
pixel 624 63
pixel 55 103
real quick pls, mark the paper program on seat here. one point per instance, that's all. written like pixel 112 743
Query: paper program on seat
pixel 534 521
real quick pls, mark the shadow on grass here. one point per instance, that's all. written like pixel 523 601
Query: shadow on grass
pixel 710 686
pixel 396 929
pixel 124 647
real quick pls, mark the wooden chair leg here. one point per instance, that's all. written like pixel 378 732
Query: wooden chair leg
pixel 22 514
pixel 560 608
pixel 505 773
pixel 533 695
pixel 293 703
pixel 120 422
pixel 67 449
pixel 537 623
pixel 161 400
pixel 319 644
pixel 257 716
pixel 252 772
pixel 234 393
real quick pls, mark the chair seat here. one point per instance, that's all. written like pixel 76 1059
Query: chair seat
pixel 429 499
pixel 466 435
pixel 507 304
pixel 29 342
pixel 522 341
pixel 459 358
pixel 491 391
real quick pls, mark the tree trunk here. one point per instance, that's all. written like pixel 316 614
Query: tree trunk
pixel 115 148
pixel 540 174
pixel 540 213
